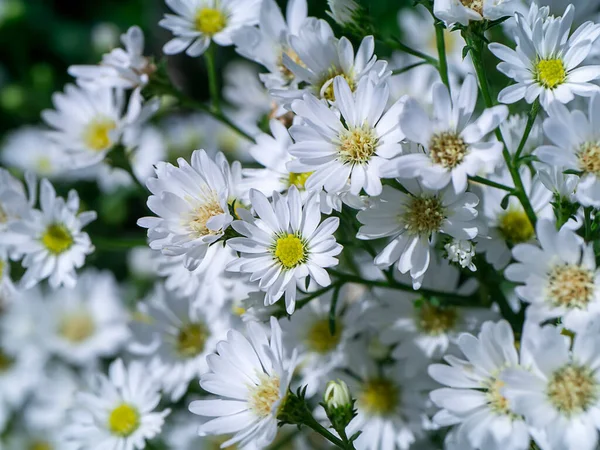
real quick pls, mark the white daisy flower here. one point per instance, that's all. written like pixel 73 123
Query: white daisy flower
pixel 192 205
pixel 250 376
pixel 31 150
pixel 559 392
pixel 545 63
pixel 318 57
pixel 118 411
pixel 286 244
pixel 461 253
pixel 350 149
pixel 510 226
pixel 560 277
pixel 176 335
pixel 391 405
pixel 321 352
pixel 575 145
pixel 462 12
pixel 243 89
pixel 87 124
pixel 121 68
pixel 344 12
pixel 473 399
pixel 86 322
pixel 197 23
pixel 51 239
pixel 271 40
pixel 15 203
pixel 513 129
pixel 419 329
pixel 413 220
pixel 453 145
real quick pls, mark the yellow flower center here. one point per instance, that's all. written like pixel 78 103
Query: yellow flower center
pixel 447 149
pixel 44 165
pixel 319 338
pixel 550 73
pixel 57 239
pixel 357 145
pixel 3 215
pixel 290 251
pixel 2 267
pixel 475 5
pixel 263 396
pixel 515 226
pixel 124 420
pixel 191 340
pixel 589 158
pixel 572 389
pixel 497 402
pixel 379 396
pixel 97 134
pixel 424 215
pixel 326 90
pixel 40 445
pixel 287 73
pixel 436 320
pixel 77 327
pixel 6 361
pixel 210 21
pixel 199 217
pixel 298 179
pixel 571 286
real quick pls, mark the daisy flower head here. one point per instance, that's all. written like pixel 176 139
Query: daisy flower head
pixel 126 68
pixel 462 12
pixel 284 245
pixel 271 40
pixel 546 62
pixel 86 322
pixel 349 148
pixel 88 123
pixel 558 391
pixel 319 57
pixel 117 412
pixel 412 220
pixel 575 145
pixel 16 202
pixel 175 335
pixel 250 377
pixel 191 203
pixel 197 23
pixel 473 398
pixel 51 240
pixel 453 144
pixel 559 277
pixel 510 226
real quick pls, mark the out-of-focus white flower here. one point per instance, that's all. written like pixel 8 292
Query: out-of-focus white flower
pixel 192 205
pixel 15 201
pixel 453 144
pixel 87 124
pixel 121 68
pixel 560 277
pixel 105 36
pixel 465 11
pixel 175 335
pixel 412 220
pixel 344 12
pixel 350 149
pixel 117 412
pixel 461 252
pixel 51 240
pixel 286 244
pixel 197 23
pixel 250 377
pixel 545 63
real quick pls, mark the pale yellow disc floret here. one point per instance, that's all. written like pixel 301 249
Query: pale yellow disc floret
pixel 97 134
pixel 447 149
pixel 290 251
pixel 572 389
pixel 424 215
pixel 571 286
pixel 379 396
pixel 210 21
pixel 319 338
pixel 262 397
pixel 57 239
pixel 550 73
pixel 124 420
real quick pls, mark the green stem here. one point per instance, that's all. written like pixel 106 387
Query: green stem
pixel 300 303
pixel 535 108
pixel 312 423
pixel 118 244
pixel 395 43
pixel 588 223
pixel 441 47
pixel 476 46
pixel 480 180
pixel 408 68
pixel 209 57
pixel 332 312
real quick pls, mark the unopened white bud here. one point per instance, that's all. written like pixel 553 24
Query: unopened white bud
pixel 337 394
pixel 343 11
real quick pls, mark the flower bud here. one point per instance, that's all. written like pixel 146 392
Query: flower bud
pixel 343 11
pixel 337 394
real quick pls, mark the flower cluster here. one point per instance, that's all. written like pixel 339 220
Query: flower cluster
pixel 375 248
